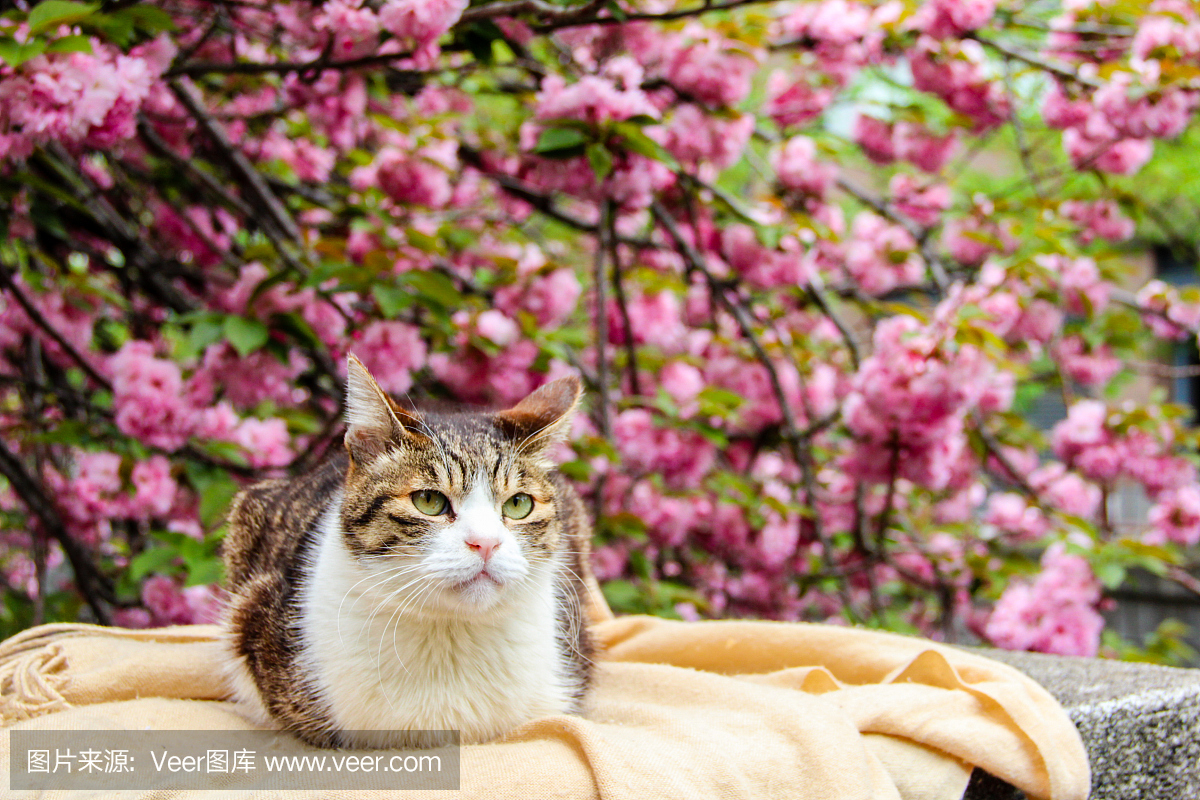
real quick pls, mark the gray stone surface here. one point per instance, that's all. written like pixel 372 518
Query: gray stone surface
pixel 1140 724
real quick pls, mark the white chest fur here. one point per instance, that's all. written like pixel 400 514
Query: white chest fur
pixel 383 669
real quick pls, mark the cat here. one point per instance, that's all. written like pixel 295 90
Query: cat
pixel 429 578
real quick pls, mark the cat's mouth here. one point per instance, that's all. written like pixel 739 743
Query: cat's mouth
pixel 481 578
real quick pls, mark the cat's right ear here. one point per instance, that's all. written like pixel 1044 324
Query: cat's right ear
pixel 373 422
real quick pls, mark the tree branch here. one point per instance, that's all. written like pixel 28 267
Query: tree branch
pixel 667 16
pixel 316 65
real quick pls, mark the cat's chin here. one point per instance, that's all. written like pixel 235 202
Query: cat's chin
pixel 477 595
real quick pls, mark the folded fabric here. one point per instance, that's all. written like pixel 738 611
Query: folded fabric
pixel 684 710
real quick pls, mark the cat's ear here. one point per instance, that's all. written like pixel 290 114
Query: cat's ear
pixel 545 415
pixel 373 421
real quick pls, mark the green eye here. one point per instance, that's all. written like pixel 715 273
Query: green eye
pixel 430 502
pixel 518 506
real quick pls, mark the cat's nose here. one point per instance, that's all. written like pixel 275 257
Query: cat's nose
pixel 483 545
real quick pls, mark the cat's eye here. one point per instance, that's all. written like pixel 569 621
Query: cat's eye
pixel 430 502
pixel 518 506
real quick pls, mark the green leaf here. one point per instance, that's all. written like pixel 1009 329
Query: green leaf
pixel 600 159
pixel 617 12
pixel 202 572
pixel 147 18
pixel 155 559
pixel 215 488
pixel 434 286
pixel 231 452
pixel 478 37
pixel 636 140
pixel 577 470
pixel 52 13
pixel 392 300
pixel 204 333
pixel 721 398
pixel 622 595
pixel 769 236
pixel 298 328
pixel 121 27
pixel 422 241
pixel 1111 574
pixel 15 54
pixel 71 44
pixel 560 142
pixel 246 335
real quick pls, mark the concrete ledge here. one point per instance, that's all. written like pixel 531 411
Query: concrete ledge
pixel 1140 724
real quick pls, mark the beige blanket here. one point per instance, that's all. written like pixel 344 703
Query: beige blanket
pixel 695 711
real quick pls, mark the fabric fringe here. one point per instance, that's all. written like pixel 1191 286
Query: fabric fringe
pixel 31 683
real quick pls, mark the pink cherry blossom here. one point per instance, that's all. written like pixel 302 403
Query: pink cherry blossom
pixel 1176 517
pixel 799 170
pixel 874 136
pixel 592 99
pixel 355 30
pixel 421 178
pixel 421 22
pixel 881 256
pixel 1056 613
pixel 957 75
pixel 74 98
pixel 392 351
pixel 793 102
pixel 148 396
pixel 759 265
pixel 1119 156
pixel 1090 367
pixel 944 18
pixel 694 136
pixel 1080 281
pixel 711 69
pixel 1098 218
pixel 1012 513
pixel 916 144
pixel 551 298
pixel 154 488
pixel 921 202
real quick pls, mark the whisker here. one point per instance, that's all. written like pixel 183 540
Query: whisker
pixel 398 570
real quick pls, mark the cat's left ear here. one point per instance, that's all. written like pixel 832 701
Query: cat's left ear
pixel 545 415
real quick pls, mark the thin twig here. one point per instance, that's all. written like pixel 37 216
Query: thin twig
pixel 1184 579
pixel 708 7
pixel 92 582
pixel 799 447
pixel 316 65
pixel 631 359
pixel 1054 68
pixel 239 163
pixel 920 235
pixel 39 320
pixel 1014 118
pixel 156 143
pixel 600 281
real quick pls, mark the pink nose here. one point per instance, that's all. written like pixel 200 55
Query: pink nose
pixel 483 545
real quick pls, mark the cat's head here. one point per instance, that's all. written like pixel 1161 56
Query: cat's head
pixel 452 513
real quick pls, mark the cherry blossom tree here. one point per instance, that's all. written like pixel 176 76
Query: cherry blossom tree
pixel 816 261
